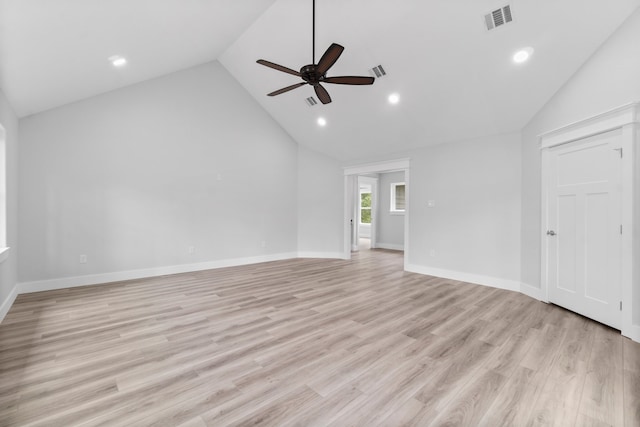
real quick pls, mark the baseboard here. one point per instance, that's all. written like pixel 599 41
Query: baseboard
pixel 633 333
pixel 533 292
pixel 329 255
pixel 391 246
pixel 494 282
pixel 4 254
pixel 8 302
pixel 96 279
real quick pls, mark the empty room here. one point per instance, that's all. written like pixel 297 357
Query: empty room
pixel 319 213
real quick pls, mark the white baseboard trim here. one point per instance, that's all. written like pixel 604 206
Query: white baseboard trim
pixel 633 332
pixel 533 292
pixel 97 279
pixel 8 302
pixel 4 254
pixel 494 282
pixel 329 255
pixel 391 246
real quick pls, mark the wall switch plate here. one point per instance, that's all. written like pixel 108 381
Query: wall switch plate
pixel 192 249
pixel 83 259
pixel 263 244
pixel 432 252
pixel 431 203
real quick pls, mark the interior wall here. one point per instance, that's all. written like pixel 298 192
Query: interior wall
pixel 183 169
pixel 320 205
pixel 472 230
pixel 607 80
pixel 390 226
pixel 8 268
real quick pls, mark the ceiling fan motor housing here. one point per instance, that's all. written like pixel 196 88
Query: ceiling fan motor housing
pixel 310 75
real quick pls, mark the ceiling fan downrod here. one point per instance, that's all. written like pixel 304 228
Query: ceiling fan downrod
pixel 314 74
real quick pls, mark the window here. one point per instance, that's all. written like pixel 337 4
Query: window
pixel 397 197
pixel 365 207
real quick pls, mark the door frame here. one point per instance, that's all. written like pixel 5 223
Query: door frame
pixel 351 186
pixel 626 118
pixel 577 295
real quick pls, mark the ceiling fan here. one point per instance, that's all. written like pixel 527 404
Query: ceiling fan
pixel 314 74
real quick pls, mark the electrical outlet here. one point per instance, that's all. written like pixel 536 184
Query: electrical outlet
pixel 264 244
pixel 431 203
pixel 432 253
pixel 83 259
pixel 192 249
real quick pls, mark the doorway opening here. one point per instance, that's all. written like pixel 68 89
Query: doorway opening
pixel 366 215
pixel 377 207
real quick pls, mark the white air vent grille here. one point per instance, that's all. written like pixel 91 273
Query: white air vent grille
pixel 498 17
pixel 378 71
pixel 311 101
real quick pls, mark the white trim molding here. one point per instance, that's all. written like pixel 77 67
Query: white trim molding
pixel 7 303
pixel 613 119
pixel 533 292
pixel 4 254
pixel 322 255
pixel 104 278
pixel 387 166
pixel 627 119
pixel 99 279
pixel 494 282
pixel 390 246
pixel 633 333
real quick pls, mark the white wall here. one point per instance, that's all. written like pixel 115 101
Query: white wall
pixel 134 177
pixel 320 205
pixel 473 231
pixel 8 268
pixel 608 80
pixel 390 226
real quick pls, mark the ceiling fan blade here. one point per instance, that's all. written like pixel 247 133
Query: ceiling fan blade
pixel 278 67
pixel 329 58
pixel 286 89
pixel 322 93
pixel 350 80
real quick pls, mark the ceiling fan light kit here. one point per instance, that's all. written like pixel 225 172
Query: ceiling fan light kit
pixel 315 74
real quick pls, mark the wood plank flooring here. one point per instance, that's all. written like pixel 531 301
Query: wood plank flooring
pixel 310 343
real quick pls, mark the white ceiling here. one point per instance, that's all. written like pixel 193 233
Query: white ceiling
pixel 456 80
pixel 53 52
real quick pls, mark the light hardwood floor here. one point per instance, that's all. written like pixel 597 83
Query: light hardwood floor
pixel 310 342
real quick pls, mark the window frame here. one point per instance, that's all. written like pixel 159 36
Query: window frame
pixel 369 208
pixel 393 210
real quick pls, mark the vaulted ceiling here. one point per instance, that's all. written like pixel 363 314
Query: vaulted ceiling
pixel 455 79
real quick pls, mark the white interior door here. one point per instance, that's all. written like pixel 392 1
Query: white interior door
pixel 584 240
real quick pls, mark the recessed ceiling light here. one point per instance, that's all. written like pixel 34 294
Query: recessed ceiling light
pixel 118 61
pixel 394 98
pixel 522 55
pixel 322 121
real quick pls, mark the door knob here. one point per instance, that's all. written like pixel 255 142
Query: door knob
pixel 551 233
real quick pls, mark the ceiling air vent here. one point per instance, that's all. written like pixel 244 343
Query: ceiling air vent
pixel 311 101
pixel 498 17
pixel 378 71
